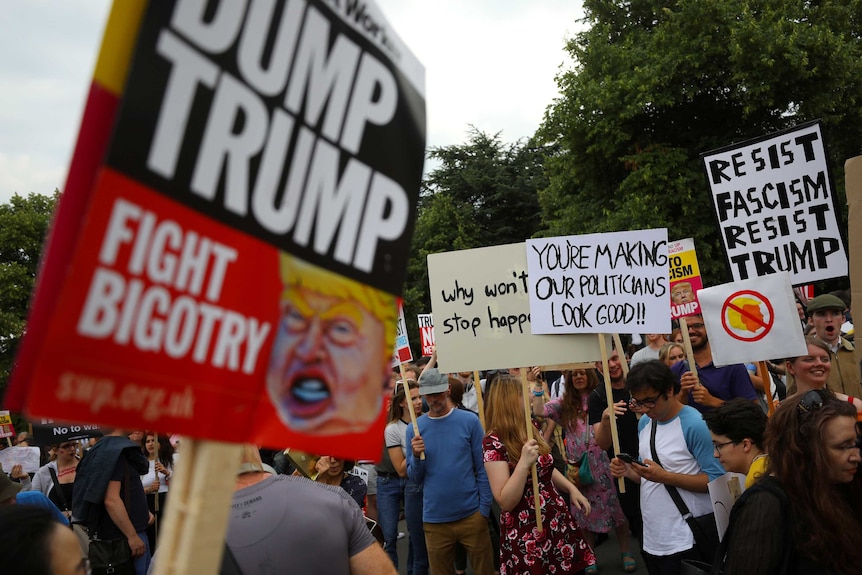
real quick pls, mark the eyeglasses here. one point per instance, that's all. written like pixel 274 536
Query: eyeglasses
pixel 811 401
pixel 696 326
pixel 647 403
pixel 67 446
pixel 718 446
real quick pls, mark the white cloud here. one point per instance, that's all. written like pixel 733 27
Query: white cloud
pixel 489 63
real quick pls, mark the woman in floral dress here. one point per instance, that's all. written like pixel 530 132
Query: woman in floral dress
pixel 570 412
pixel 509 457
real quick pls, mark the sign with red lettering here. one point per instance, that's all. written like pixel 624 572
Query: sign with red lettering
pixel 426 333
pixel 235 227
pixel 776 206
pixel 685 278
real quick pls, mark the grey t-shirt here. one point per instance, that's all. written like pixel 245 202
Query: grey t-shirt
pixel 287 524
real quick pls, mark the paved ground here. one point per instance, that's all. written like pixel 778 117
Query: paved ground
pixel 608 554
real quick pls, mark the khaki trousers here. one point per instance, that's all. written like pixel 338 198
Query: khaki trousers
pixel 471 532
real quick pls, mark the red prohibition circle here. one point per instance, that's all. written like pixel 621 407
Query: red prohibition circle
pixel 757 295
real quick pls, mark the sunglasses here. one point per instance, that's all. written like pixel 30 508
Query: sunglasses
pixel 810 402
pixel 67 446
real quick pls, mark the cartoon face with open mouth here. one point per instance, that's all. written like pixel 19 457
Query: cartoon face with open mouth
pixel 328 367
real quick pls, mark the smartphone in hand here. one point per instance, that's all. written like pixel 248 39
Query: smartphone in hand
pixel 630 459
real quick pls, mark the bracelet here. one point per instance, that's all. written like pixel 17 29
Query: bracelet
pixel 849 399
pixel 538 393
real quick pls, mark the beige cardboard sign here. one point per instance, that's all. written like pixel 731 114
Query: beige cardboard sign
pixel 481 313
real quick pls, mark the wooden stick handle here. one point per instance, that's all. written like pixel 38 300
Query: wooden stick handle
pixel 480 401
pixel 763 372
pixel 623 362
pixel 525 391
pixel 409 402
pixel 683 328
pixel 609 394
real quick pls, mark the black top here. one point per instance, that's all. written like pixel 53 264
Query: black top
pixel 627 425
pixel 136 505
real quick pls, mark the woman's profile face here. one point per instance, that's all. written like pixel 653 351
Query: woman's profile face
pixel 839 437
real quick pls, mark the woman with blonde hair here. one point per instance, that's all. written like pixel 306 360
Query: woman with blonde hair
pixel 509 456
pixel 671 352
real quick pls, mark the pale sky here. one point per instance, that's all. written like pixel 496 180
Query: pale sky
pixel 488 63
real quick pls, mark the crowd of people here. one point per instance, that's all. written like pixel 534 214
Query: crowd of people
pixel 506 497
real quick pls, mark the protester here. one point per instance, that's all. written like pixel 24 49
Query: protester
pixel 160 458
pixel 627 432
pixel 675 454
pixel 33 543
pixel 713 385
pixel 655 341
pixel 826 313
pixel 671 353
pixel 802 516
pixel 571 413
pixel 334 471
pixel 509 456
pixel 812 371
pixel 109 496
pixel 393 490
pixel 456 495
pixel 737 429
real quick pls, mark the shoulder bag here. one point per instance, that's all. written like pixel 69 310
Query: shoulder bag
pixel 579 472
pixel 703 527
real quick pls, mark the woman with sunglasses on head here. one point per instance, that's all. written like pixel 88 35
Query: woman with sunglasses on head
pixel 570 412
pixel 803 515
pixel 392 489
pixel 811 371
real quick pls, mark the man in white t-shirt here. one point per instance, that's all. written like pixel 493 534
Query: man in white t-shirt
pixel 651 349
pixel 676 452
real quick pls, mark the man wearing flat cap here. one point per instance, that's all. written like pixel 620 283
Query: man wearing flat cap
pixel 826 313
pixel 456 494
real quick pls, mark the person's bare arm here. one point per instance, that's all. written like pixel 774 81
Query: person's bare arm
pixel 372 561
pixel 399 462
pixel 117 512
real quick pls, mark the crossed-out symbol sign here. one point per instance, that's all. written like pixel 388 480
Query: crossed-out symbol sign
pixel 747 315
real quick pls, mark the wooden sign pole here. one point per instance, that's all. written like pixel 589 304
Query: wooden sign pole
pixel 409 401
pixel 525 391
pixel 623 361
pixel 196 520
pixel 686 340
pixel 480 401
pixel 766 378
pixel 609 394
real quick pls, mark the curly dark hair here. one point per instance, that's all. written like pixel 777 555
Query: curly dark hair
pixel 571 404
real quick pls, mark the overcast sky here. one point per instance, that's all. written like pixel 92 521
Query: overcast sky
pixel 489 63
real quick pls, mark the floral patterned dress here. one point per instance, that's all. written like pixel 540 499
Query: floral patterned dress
pixel 559 548
pixel 606 513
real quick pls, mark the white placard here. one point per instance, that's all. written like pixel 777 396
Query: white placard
pixel 752 320
pixel 723 492
pixel 482 314
pixel 600 283
pixel 402 352
pixel 27 457
pixel 776 208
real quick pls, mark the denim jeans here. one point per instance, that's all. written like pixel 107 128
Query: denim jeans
pixel 142 563
pixel 390 493
pixel 418 563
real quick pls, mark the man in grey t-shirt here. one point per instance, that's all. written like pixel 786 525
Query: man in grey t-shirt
pixel 283 524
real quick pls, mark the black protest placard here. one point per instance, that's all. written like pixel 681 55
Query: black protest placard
pixel 775 205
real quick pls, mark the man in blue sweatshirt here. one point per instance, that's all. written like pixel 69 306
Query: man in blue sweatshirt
pixel 456 493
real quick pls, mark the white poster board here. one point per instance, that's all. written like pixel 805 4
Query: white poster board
pixel 723 492
pixel 402 352
pixel 752 320
pixel 27 457
pixel 482 313
pixel 776 208
pixel 600 283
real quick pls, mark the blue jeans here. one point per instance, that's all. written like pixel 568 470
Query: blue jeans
pixel 142 563
pixel 390 492
pixel 413 514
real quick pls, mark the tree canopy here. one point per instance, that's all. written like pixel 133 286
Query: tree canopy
pixel 483 193
pixel 24 223
pixel 655 84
